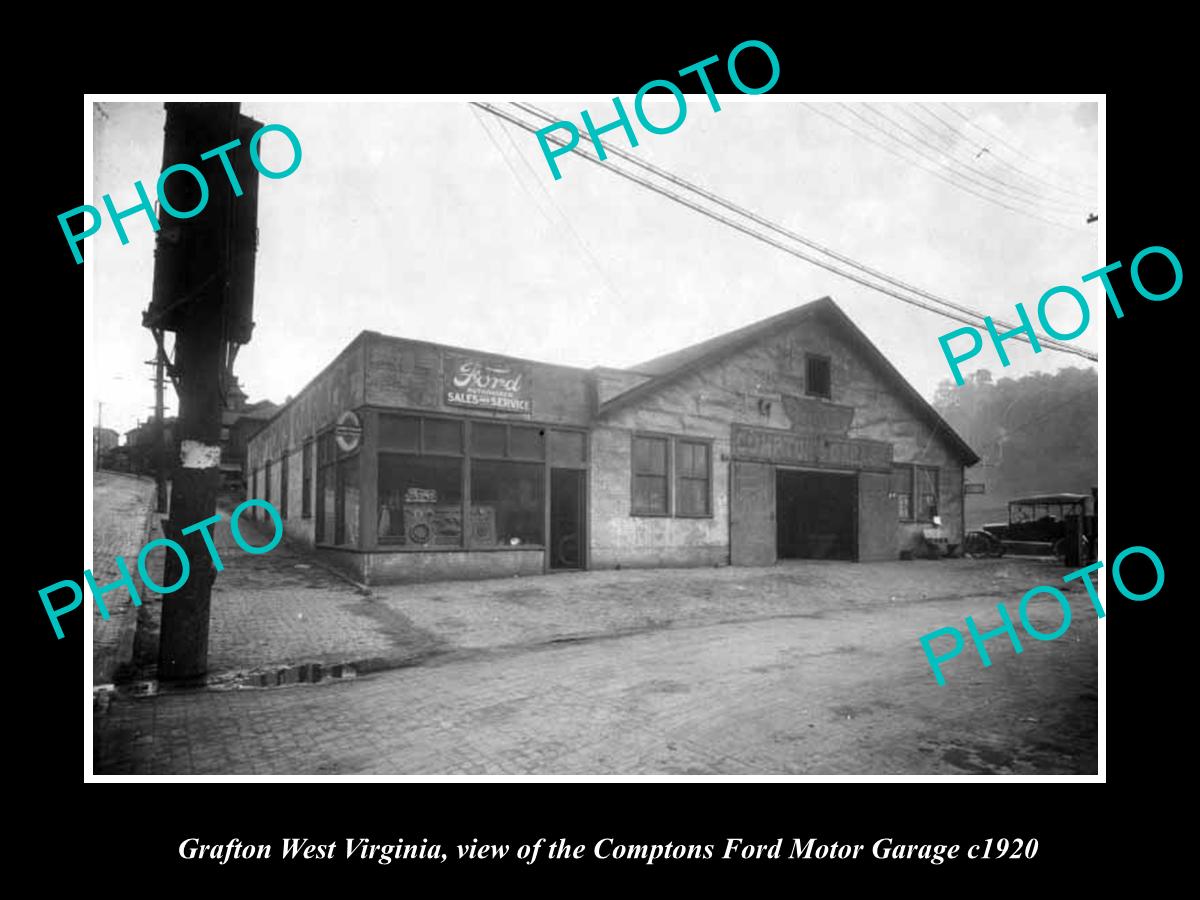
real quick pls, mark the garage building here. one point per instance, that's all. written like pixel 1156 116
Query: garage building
pixel 793 437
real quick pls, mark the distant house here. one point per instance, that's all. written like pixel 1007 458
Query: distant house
pixel 237 427
pixel 104 442
pixel 104 439
pixel 142 443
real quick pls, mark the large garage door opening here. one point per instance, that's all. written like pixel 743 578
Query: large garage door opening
pixel 815 515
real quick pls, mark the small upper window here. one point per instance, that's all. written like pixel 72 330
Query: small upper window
pixel 816 382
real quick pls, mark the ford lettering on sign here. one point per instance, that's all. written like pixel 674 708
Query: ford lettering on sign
pixel 483 384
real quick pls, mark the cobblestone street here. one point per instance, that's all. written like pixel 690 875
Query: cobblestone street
pixel 121 517
pixel 804 668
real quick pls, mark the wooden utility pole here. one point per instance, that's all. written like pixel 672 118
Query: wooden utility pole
pixel 199 271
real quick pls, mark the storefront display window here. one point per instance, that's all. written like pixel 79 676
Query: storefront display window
pixel 421 490
pixel 420 500
pixel 507 506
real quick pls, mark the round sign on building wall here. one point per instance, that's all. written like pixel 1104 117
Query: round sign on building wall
pixel 348 432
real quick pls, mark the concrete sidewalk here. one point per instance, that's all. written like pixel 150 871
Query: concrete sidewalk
pixel 122 511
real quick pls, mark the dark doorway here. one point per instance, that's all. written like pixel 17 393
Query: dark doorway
pixel 566 519
pixel 816 515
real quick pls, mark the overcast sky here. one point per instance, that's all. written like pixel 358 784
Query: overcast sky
pixel 437 222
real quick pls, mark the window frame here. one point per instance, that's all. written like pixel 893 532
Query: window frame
pixel 467 456
pixel 422 449
pixel 332 468
pixel 400 543
pixel 634 437
pixel 707 443
pixel 471 500
pixel 507 452
pixel 809 359
pixel 909 471
pixel 283 485
pixel 937 492
pixel 917 512
pixel 672 476
pixel 306 480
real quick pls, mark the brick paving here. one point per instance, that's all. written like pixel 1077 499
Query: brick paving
pixel 832 684
pixel 283 609
pixel 122 505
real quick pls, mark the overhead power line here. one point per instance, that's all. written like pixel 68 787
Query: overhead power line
pixel 1089 197
pixel 1051 204
pixel 786 232
pixel 934 172
pixel 1023 211
pixel 940 310
pixel 1017 150
pixel 566 221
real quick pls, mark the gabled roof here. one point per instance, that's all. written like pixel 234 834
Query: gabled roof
pixel 673 366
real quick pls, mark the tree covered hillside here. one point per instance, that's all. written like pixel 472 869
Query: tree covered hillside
pixel 1035 434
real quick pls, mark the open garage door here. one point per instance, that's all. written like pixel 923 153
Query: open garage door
pixel 817 513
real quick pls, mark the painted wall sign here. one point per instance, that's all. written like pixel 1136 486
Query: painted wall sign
pixel 486 384
pixel 822 451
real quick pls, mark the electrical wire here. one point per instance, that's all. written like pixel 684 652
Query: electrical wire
pixel 742 228
pixel 1049 204
pixel 740 210
pixel 1017 150
pixel 933 172
pixel 1030 213
pixel 1004 162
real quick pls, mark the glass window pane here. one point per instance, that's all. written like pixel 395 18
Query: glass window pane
pixel 650 494
pixel 347 506
pixel 443 436
pixel 283 485
pixel 817 370
pixel 398 433
pixel 326 504
pixel 927 492
pixel 507 503
pixel 420 500
pixel 691 460
pixel 692 499
pixel 325 450
pixel 683 459
pixel 306 481
pixel 526 443
pixel 650 456
pixel 905 505
pixel 487 439
pixel 568 448
pixel 927 480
